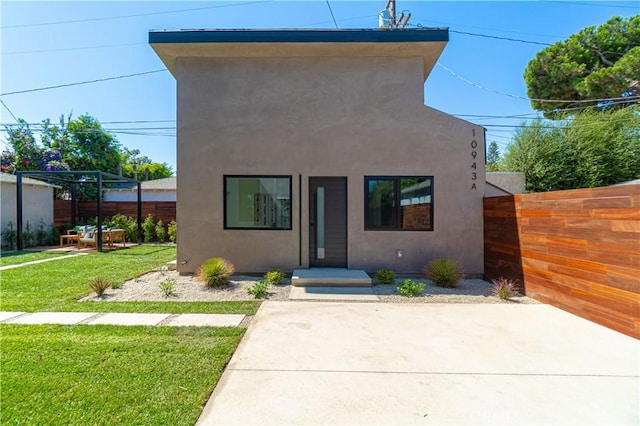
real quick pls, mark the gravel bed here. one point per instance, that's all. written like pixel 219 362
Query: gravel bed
pixel 188 288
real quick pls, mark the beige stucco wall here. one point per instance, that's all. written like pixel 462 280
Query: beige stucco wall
pixel 321 117
pixel 37 203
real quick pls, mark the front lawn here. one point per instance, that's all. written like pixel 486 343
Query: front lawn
pixel 56 286
pixel 96 374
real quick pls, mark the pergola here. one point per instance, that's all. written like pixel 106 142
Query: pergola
pixel 76 178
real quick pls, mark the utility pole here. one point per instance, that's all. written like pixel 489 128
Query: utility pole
pixel 387 18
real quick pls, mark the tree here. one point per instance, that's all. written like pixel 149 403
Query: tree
pixel 594 148
pixel 144 167
pixel 493 158
pixel 598 62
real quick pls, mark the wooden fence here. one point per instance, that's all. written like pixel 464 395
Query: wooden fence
pixel 86 210
pixel 578 250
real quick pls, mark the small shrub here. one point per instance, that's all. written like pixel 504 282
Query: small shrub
pixel 129 224
pixel 54 235
pixel 28 237
pixel 10 236
pixel 216 271
pixel 410 288
pixel 259 289
pixel 99 285
pixel 172 230
pixel 147 228
pixel 160 233
pixel 275 276
pixel 444 272
pixel 504 288
pixel 167 286
pixel 385 276
pixel 42 236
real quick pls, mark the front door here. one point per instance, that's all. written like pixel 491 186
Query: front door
pixel 328 222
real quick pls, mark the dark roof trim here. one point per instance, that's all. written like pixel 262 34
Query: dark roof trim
pixel 300 36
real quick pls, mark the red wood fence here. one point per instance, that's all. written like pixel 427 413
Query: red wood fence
pixel 578 250
pixel 164 210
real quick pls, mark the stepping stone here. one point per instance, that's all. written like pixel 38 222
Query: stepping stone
pixel 129 319
pixel 65 318
pixel 8 315
pixel 206 320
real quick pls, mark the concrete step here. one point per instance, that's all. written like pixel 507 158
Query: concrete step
pixel 339 277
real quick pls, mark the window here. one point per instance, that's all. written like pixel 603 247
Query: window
pixel 257 202
pixel 398 203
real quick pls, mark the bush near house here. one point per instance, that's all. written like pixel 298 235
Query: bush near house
pixel 385 276
pixel 216 271
pixel 444 272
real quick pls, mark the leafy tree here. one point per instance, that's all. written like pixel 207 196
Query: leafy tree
pixel 597 62
pixel 144 167
pixel 594 148
pixel 493 158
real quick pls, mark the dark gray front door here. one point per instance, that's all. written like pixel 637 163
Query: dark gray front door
pixel 328 222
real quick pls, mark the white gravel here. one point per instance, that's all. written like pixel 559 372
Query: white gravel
pixel 188 288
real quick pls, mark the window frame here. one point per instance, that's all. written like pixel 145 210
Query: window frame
pixel 254 228
pixel 397 213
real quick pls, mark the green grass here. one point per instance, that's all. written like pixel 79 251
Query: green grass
pixel 94 374
pixel 56 286
pixel 17 257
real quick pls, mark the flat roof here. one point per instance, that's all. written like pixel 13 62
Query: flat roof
pixel 298 35
pixel 426 43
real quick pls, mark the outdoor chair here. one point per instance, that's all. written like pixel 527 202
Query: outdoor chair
pixel 87 237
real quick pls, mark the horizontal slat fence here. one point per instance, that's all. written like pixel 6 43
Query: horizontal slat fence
pixel 578 250
pixel 163 210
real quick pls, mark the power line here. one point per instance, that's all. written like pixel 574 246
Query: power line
pixel 573 101
pixel 332 16
pixel 72 48
pixel 500 38
pixel 131 16
pixel 82 82
pixel 7 108
pixel 596 4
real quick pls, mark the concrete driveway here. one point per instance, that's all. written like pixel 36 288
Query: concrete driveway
pixel 310 363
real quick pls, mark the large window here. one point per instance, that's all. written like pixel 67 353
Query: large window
pixel 399 203
pixel 257 202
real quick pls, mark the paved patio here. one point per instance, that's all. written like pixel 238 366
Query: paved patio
pixel 379 363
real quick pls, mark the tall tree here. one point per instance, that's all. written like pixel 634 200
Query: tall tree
pixel 594 148
pixel 598 62
pixel 493 158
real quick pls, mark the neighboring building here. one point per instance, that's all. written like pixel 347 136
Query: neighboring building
pixel 504 183
pixel 37 202
pixel 152 190
pixel 301 148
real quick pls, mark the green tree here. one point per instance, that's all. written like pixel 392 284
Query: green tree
pixel 493 158
pixel 597 62
pixel 144 167
pixel 594 148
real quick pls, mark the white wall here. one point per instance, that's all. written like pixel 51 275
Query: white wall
pixel 37 203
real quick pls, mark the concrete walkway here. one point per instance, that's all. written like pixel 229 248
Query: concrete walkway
pixel 114 318
pixel 33 262
pixel 333 363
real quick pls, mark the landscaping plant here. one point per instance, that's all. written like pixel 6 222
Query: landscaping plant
pixel 10 236
pixel 167 286
pixel 385 276
pixel 42 236
pixel 504 288
pixel 410 288
pixel 28 236
pixel 275 276
pixel 160 233
pixel 172 230
pixel 100 285
pixel 259 289
pixel 147 228
pixel 444 272
pixel 216 271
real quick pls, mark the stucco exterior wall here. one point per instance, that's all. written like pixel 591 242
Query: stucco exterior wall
pixel 305 117
pixel 37 203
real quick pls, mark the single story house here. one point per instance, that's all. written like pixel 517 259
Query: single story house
pixel 313 148
pixel 151 190
pixel 37 202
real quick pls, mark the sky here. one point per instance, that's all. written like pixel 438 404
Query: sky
pixel 479 76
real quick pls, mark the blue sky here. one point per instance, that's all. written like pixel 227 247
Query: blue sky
pixel 52 43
